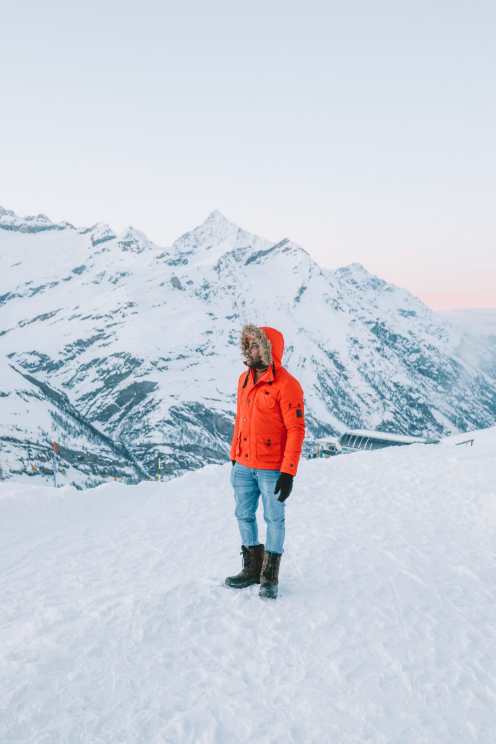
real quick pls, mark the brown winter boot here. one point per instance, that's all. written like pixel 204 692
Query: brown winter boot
pixel 252 565
pixel 270 575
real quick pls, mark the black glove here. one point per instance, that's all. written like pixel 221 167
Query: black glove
pixel 233 462
pixel 284 485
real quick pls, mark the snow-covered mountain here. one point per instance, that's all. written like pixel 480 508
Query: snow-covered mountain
pixel 477 331
pixel 140 344
pixel 476 321
pixel 116 626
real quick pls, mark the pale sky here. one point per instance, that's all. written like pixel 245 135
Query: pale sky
pixel 365 131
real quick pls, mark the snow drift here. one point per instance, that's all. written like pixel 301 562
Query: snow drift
pixel 116 626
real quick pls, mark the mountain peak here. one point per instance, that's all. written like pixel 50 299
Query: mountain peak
pixel 100 233
pixel 216 216
pixel 355 268
pixel 213 238
pixel 10 220
pixel 134 240
pixel 217 222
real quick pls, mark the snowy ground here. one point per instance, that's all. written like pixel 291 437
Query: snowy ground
pixel 116 627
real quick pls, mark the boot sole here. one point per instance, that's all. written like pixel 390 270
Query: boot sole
pixel 241 586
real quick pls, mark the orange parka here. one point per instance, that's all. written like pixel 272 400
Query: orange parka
pixel 270 421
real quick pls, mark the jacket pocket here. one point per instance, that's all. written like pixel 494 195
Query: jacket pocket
pixel 265 400
pixel 268 449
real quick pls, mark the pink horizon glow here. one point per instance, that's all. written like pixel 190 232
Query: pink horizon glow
pixel 458 300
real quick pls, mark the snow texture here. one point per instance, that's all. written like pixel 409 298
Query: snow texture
pixel 116 626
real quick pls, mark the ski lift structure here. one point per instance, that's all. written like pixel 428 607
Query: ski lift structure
pixel 359 440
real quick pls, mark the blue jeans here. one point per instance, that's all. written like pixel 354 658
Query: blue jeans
pixel 249 484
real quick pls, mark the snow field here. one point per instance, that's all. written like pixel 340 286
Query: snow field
pixel 116 626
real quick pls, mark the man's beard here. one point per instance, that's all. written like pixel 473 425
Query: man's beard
pixel 258 364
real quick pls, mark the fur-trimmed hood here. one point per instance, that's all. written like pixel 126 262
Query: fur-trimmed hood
pixel 271 343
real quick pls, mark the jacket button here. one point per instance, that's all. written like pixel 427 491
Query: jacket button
pixel 245 438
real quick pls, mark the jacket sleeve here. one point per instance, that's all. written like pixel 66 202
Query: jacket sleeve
pixel 234 439
pixel 293 414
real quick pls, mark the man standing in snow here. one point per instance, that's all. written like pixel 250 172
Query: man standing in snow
pixel 265 450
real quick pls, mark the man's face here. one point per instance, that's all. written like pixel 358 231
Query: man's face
pixel 253 357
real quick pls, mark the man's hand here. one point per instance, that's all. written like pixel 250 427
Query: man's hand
pixel 233 462
pixel 284 485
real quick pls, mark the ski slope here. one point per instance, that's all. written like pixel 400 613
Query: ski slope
pixel 116 626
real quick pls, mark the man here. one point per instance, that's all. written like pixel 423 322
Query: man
pixel 265 450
